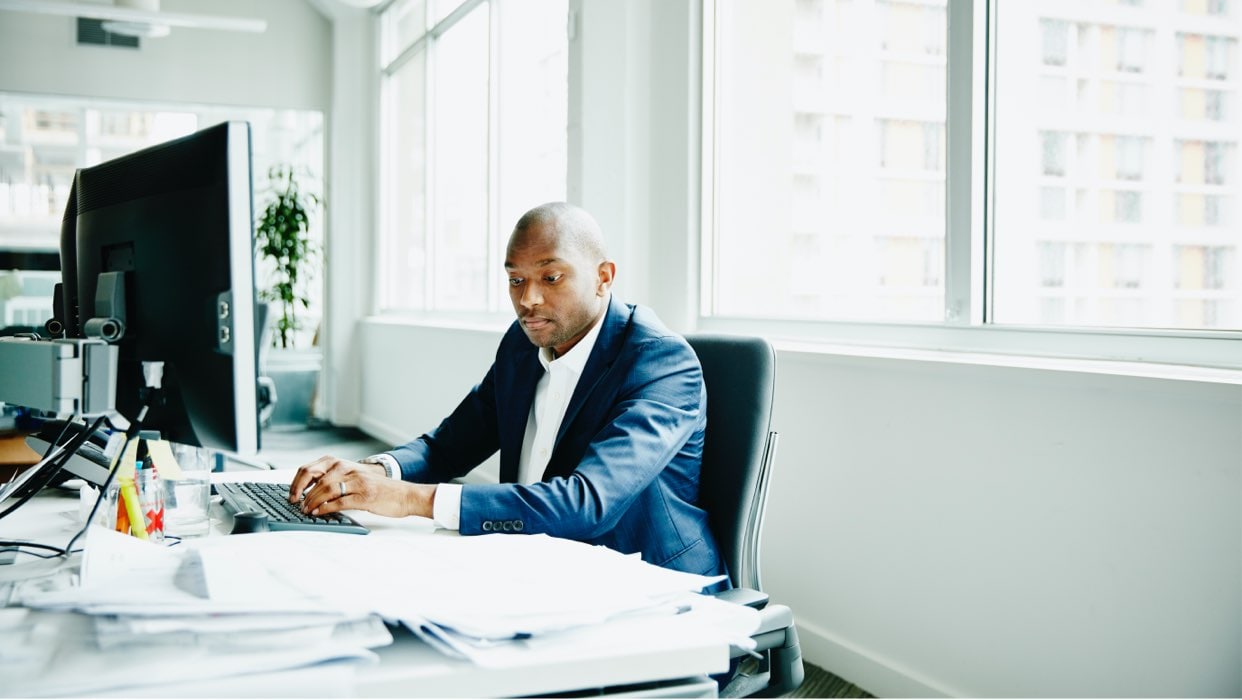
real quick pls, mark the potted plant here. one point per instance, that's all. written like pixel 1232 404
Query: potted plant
pixel 282 235
pixel 288 259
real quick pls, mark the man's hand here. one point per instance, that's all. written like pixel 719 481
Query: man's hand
pixel 365 487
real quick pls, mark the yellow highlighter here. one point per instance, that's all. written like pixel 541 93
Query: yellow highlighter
pixel 129 494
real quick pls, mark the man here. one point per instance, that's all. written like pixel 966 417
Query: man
pixel 597 409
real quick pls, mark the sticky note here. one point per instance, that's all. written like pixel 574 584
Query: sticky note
pixel 165 463
pixel 125 466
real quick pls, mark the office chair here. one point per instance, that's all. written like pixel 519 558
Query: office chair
pixel 738 453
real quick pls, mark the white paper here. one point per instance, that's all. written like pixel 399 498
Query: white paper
pixel 81 668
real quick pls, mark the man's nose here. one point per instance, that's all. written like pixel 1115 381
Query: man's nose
pixel 531 295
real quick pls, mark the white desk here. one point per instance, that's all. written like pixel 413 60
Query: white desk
pixel 669 655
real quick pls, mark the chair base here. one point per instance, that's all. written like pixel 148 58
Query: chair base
pixel 779 672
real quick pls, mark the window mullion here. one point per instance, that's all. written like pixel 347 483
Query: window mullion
pixel 493 158
pixel 966 188
pixel 429 180
pixel 708 174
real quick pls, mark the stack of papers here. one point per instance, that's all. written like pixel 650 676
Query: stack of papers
pixel 462 595
pixel 141 627
pixel 270 601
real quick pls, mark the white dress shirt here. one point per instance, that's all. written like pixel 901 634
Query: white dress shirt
pixel 552 394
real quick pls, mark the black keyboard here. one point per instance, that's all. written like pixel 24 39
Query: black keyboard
pixel 273 499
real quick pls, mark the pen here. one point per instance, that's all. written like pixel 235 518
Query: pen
pixel 122 513
pixel 137 524
pixel 150 497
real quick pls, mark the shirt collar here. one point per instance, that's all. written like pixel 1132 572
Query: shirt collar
pixel 577 356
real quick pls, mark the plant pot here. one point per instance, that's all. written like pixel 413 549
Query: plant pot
pixel 295 374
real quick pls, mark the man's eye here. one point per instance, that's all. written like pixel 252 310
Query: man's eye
pixel 552 278
pixel 515 281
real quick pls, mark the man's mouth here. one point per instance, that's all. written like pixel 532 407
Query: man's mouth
pixel 535 323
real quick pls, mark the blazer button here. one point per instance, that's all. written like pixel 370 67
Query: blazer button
pixel 517 525
pixel 487 526
pixel 507 526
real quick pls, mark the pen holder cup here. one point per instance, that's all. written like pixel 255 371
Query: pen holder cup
pixel 187 499
pixel 135 505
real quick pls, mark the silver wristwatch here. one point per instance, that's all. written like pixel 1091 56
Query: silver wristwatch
pixel 384 460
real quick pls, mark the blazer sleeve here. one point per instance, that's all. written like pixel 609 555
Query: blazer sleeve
pixel 460 443
pixel 654 414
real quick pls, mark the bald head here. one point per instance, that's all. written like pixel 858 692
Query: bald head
pixel 573 229
pixel 559 275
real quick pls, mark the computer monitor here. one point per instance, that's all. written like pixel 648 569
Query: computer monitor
pixel 157 256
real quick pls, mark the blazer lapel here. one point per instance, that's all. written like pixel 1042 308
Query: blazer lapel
pixel 607 346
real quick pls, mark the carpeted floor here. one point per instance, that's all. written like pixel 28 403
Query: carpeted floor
pixel 822 684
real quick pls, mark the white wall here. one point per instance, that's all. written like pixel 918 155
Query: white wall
pixel 937 527
pixel 987 531
pixel 352 206
pixel 414 376
pixel 287 66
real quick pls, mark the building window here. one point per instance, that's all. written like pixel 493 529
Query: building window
pixel 1131 49
pixel 1054 35
pixel 1132 212
pixel 1129 158
pixel 1203 267
pixel 1053 152
pixel 475 109
pixel 1052 264
pixel 1215 105
pixel 1216 162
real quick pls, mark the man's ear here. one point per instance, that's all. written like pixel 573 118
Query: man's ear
pixel 607 271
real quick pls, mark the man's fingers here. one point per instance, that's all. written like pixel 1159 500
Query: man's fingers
pixel 307 475
pixel 328 497
pixel 335 505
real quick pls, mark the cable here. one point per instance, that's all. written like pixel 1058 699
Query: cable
pixel 70 448
pixel 135 427
pixel 103 493
pixel 42 462
pixel 9 545
pixel 14 546
pixel 72 419
pixel 53 467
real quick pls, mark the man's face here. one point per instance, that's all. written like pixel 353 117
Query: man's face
pixel 556 291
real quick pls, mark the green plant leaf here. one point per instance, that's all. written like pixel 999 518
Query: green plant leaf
pixel 282 235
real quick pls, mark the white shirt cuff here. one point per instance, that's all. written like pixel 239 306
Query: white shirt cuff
pixel 446 508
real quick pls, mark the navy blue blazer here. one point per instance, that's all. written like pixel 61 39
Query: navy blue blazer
pixel 624 470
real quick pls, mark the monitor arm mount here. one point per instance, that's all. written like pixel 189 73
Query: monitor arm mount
pixel 69 375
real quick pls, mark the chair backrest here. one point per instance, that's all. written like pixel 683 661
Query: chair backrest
pixel 740 374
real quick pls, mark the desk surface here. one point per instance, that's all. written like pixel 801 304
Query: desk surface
pixel 617 653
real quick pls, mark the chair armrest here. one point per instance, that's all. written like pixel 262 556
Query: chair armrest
pixel 772 618
pixel 745 596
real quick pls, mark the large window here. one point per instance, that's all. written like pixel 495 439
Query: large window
pixel 1115 197
pixel 1108 163
pixel 475 113
pixel 829 161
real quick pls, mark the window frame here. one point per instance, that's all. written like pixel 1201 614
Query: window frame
pixel 496 313
pixel 969 290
